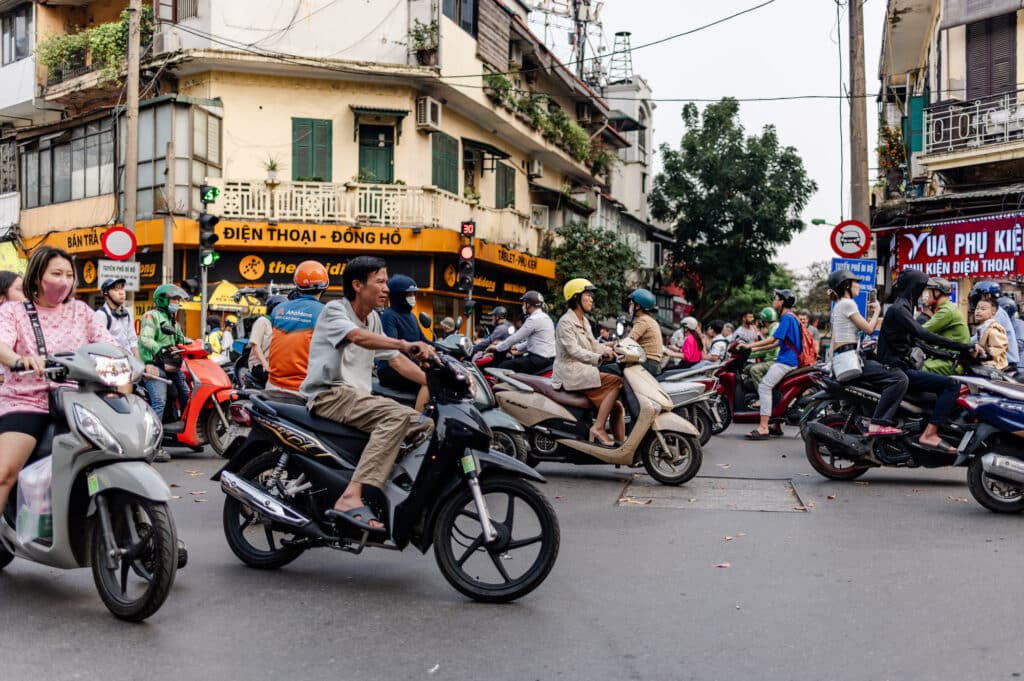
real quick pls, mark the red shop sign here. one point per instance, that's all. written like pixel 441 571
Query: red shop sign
pixel 980 247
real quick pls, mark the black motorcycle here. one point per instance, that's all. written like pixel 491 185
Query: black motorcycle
pixel 495 537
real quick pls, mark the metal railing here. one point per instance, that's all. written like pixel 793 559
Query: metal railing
pixel 955 125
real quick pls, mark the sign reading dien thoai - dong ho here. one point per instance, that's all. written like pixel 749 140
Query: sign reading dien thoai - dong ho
pixel 979 247
pixel 303 235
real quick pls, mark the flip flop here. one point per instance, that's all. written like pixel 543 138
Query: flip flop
pixel 755 434
pixel 349 517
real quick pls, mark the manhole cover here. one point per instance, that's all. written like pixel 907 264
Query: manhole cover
pixel 721 494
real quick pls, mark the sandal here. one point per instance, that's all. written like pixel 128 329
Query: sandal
pixel 360 517
pixel 755 434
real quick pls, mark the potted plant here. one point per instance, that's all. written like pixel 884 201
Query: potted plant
pixel 271 165
pixel 892 156
pixel 471 194
pixel 424 39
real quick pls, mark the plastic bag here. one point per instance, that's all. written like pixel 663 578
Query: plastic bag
pixel 35 517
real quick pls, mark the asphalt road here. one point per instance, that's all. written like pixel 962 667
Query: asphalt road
pixel 901 576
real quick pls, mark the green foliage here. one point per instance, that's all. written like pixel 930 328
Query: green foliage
pixel 498 87
pixel 106 44
pixel 751 297
pixel 57 52
pixel 596 254
pixel 424 36
pixel 602 159
pixel 733 201
pixel 576 140
pixel 813 287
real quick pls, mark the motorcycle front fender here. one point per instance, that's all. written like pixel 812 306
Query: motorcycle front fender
pixel 818 402
pixel 668 420
pixel 134 477
pixel 496 418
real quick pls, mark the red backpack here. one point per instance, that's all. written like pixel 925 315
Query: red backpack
pixel 805 356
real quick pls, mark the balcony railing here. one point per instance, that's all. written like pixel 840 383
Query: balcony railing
pixel 955 125
pixel 388 205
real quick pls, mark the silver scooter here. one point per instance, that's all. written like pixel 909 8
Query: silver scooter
pixel 107 506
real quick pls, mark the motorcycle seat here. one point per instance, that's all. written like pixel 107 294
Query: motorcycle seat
pixel 399 396
pixel 544 387
pixel 298 414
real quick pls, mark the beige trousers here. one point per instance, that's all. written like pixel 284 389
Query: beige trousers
pixel 387 422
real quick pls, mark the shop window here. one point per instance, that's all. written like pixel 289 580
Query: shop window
pixel 445 162
pixel 312 141
pixel 505 190
pixel 463 13
pixel 17 33
pixel 73 164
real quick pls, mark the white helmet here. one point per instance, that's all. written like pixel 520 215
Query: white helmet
pixel 690 323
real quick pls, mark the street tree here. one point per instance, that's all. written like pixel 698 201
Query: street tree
pixel 813 288
pixel 732 200
pixel 599 255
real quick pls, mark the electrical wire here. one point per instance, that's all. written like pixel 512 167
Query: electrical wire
pixel 842 139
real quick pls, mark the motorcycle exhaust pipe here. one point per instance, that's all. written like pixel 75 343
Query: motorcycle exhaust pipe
pixel 260 501
pixel 1003 467
pixel 851 444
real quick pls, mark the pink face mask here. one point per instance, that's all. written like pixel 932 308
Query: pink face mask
pixel 55 293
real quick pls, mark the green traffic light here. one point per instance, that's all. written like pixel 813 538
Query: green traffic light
pixel 210 194
pixel 209 259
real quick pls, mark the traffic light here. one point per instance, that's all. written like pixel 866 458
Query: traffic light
pixel 466 267
pixel 207 238
pixel 208 194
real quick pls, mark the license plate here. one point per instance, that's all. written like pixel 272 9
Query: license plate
pixel 965 440
pixel 468 464
pixel 93 483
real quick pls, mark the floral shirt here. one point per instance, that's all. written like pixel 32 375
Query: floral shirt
pixel 66 328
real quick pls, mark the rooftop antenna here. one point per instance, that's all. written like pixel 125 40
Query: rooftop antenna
pixel 621 68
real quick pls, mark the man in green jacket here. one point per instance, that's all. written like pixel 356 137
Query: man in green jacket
pixel 946 321
pixel 153 342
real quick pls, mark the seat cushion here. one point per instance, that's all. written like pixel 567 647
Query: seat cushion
pixel 544 387
pixel 300 415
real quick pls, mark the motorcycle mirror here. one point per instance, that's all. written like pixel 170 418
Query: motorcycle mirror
pixel 426 321
pixel 458 322
pixel 620 328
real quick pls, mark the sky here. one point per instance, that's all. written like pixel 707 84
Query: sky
pixel 786 48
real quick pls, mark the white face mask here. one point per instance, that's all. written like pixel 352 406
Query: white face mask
pixel 411 300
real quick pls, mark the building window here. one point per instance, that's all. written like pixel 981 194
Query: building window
pixel 17 34
pixel 312 141
pixel 505 189
pixel 992 56
pixel 8 167
pixel 463 13
pixel 174 11
pixel 73 164
pixel 641 136
pixel 445 162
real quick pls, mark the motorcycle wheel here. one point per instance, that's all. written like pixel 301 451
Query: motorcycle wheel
pixel 511 443
pixel 243 526
pixel 823 461
pixel 214 432
pixel 675 466
pixel 995 495
pixel 139 583
pixel 701 420
pixel 724 415
pixel 528 537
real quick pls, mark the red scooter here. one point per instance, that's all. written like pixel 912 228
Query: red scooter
pixel 205 418
pixel 791 396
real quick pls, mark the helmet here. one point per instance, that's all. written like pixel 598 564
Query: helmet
pixel 1009 306
pixel 987 287
pixel 940 285
pixel 311 275
pixel 274 301
pixel 533 298
pixel 572 288
pixel 690 323
pixel 231 320
pixel 644 299
pixel 787 296
pixel 400 284
pixel 500 312
pixel 768 315
pixel 163 294
pixel 213 321
pixel 840 277
pixel 109 284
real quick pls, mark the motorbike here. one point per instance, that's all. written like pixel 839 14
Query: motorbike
pixel 507 435
pixel 558 422
pixel 695 401
pixel 790 398
pixel 102 505
pixel 495 537
pixel 205 418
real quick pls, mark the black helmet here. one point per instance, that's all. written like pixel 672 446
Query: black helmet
pixel 273 301
pixel 213 321
pixel 500 312
pixel 983 288
pixel 838 278
pixel 941 285
pixel 533 298
pixel 1009 306
pixel 109 284
pixel 787 296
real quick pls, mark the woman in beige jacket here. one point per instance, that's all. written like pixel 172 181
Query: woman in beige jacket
pixel 577 358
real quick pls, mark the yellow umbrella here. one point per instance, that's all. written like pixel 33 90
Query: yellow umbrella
pixel 9 258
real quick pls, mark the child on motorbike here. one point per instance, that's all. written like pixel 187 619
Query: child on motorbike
pixel 991 335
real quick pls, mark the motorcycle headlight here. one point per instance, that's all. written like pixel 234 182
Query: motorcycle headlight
pixel 113 371
pixel 90 427
pixel 154 431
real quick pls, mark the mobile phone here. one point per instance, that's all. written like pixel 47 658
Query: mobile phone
pixel 873 296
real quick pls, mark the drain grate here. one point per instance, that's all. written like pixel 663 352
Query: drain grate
pixel 719 494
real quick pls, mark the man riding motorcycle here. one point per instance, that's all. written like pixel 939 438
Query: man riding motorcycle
pixel 502 329
pixel 945 320
pixel 116 317
pixel 259 341
pixel 399 322
pixel 539 333
pixel 156 346
pixel 293 322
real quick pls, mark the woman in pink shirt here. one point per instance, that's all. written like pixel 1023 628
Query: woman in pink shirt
pixel 693 347
pixel 67 324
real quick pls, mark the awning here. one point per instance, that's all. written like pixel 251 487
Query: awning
pixel 373 112
pixel 556 199
pixel 488 152
pixel 623 122
pixel 655 234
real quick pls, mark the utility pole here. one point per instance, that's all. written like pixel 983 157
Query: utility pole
pixel 171 202
pixel 131 137
pixel 859 199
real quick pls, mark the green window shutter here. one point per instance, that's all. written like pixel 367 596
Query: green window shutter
pixel 445 162
pixel 505 189
pixel 302 148
pixel 915 124
pixel 322 149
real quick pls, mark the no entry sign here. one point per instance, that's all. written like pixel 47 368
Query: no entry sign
pixel 118 243
pixel 851 239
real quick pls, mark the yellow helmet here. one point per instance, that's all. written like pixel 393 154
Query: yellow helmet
pixel 576 286
pixel 231 319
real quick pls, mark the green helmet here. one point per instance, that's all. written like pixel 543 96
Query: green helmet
pixel 768 315
pixel 163 294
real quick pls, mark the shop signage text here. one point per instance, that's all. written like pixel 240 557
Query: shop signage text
pixel 310 236
pixel 981 247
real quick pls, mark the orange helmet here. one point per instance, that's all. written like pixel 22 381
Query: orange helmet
pixel 311 275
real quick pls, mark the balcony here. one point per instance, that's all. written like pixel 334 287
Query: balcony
pixel 371 204
pixel 959 133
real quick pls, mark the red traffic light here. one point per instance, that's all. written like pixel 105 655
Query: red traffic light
pixel 469 228
pixel 466 252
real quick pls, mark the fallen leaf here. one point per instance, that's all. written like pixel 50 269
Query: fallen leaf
pixel 173 484
pixel 962 500
pixel 632 500
pixel 809 504
pixel 831 497
pixel 741 534
pixel 175 496
pixel 559 498
pixel 434 668
pixel 198 500
pixel 724 565
pixel 799 508
pixel 692 499
pixel 724 465
pixel 861 482
pixel 198 492
pixel 728 538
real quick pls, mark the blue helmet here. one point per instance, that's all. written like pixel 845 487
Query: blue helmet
pixel 644 299
pixel 983 288
pixel 1009 306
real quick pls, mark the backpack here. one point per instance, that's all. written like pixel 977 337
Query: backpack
pixel 805 356
pixel 106 313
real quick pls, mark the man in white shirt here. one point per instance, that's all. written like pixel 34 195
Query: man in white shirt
pixel 117 318
pixel 747 332
pixel 538 331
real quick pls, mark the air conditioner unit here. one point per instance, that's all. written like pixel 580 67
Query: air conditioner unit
pixel 583 113
pixel 428 114
pixel 515 56
pixel 534 168
pixel 165 41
